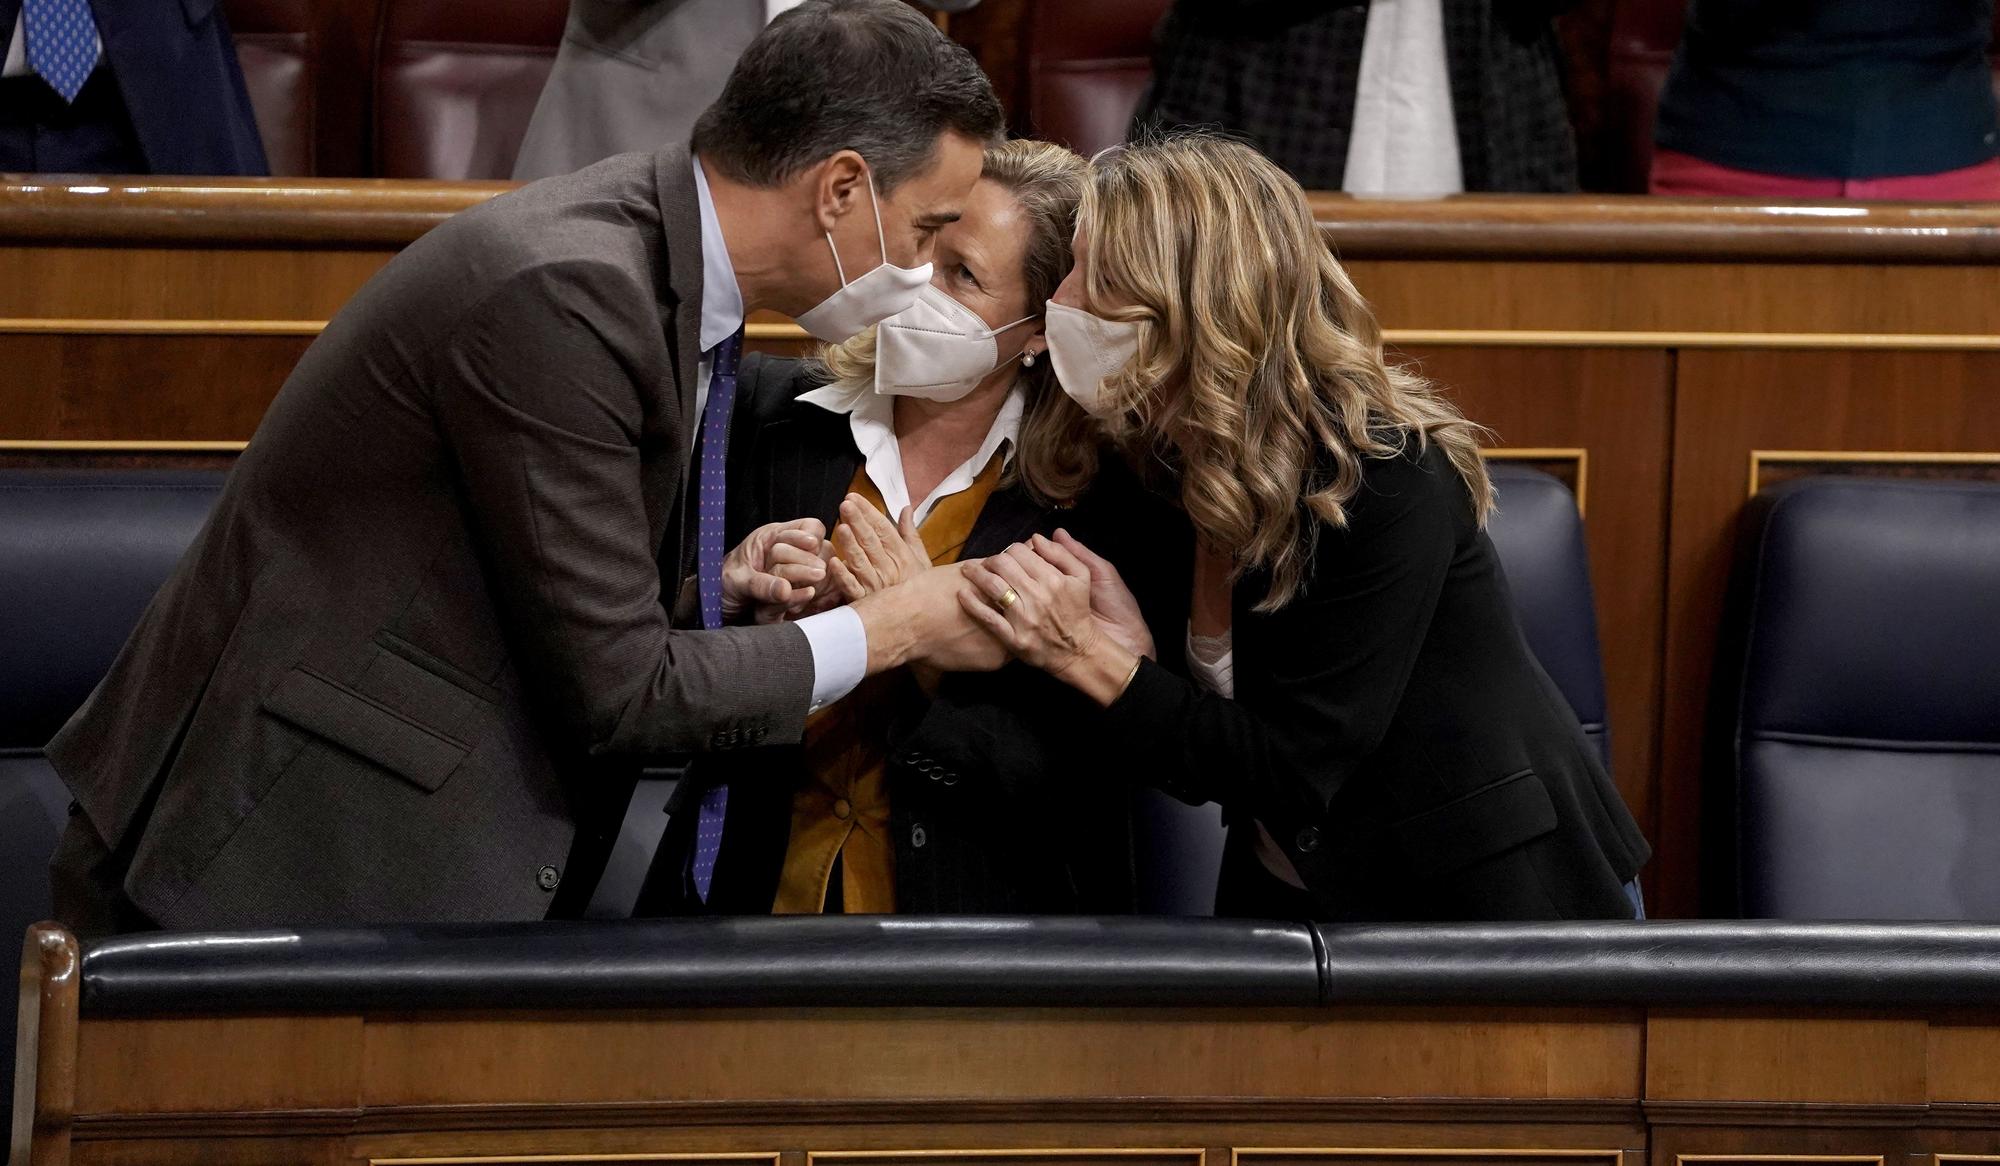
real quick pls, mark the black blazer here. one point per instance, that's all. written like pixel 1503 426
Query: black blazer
pixel 992 810
pixel 1284 74
pixel 1391 726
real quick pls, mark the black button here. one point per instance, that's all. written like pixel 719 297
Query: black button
pixel 547 878
pixel 918 837
pixel 1308 840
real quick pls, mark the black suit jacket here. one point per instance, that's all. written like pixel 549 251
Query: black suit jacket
pixel 175 66
pixel 387 679
pixel 994 808
pixel 1283 73
pixel 1391 726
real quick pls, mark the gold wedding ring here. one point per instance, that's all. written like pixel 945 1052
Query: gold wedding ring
pixel 1007 600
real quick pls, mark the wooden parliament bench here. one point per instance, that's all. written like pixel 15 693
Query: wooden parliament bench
pixel 1665 358
pixel 1037 1042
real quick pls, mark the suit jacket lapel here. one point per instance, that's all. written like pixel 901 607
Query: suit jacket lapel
pixel 680 303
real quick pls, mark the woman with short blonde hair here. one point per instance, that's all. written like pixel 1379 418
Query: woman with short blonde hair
pixel 1357 694
pixel 938 434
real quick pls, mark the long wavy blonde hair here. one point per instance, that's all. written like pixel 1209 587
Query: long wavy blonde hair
pixel 1056 454
pixel 1260 375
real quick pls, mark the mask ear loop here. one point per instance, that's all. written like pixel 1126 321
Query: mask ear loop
pixel 875 201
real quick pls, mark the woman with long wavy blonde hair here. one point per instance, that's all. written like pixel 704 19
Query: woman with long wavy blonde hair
pixel 1339 663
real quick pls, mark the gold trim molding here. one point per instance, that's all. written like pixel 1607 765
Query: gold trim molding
pixel 18 326
pixel 531 1159
pixel 1237 1156
pixel 1430 337
pixel 1193 1153
pixel 1760 457
pixel 1683 1159
pixel 1571 338
pixel 39 446
pixel 1532 454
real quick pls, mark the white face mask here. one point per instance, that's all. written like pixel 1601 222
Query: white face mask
pixel 1085 349
pixel 937 349
pixel 872 297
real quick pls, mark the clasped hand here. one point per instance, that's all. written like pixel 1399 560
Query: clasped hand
pixel 1053 603
pixel 1048 602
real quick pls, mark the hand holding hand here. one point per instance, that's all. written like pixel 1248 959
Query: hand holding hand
pixel 1040 610
pixel 776 570
pixel 922 622
pixel 1111 602
pixel 1036 599
pixel 871 553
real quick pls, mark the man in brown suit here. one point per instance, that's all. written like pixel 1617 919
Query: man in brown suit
pixel 424 633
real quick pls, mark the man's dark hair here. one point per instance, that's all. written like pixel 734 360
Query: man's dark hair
pixel 868 75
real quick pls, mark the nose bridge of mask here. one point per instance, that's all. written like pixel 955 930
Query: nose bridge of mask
pixel 968 323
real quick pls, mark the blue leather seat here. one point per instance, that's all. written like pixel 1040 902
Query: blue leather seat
pixel 1865 740
pixel 81 553
pixel 1178 848
pixel 1539 535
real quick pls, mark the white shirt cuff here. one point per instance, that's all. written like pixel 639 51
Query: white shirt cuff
pixel 840 653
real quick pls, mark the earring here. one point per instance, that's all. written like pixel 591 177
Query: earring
pixel 1027 360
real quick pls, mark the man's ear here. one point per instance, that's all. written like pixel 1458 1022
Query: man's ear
pixel 839 186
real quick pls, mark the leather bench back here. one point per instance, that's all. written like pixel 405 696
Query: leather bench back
pixel 1088 65
pixel 1866 740
pixel 81 554
pixel 456 82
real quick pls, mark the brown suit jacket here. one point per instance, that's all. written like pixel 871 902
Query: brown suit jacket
pixel 426 613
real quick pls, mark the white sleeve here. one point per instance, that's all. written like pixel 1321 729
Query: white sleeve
pixel 840 653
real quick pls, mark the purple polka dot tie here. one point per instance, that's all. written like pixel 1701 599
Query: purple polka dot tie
pixel 708 555
pixel 63 45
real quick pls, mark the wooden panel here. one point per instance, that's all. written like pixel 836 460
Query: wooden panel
pixel 1009 1157
pixel 190 283
pixel 1855 1060
pixel 1428 1156
pixel 1614 405
pixel 197 1065
pixel 1964 1062
pixel 996 1054
pixel 1729 404
pixel 576 1159
pixel 1682 297
pixel 1784 1143
pixel 167 387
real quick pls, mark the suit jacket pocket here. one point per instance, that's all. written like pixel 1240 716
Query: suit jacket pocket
pixel 1489 820
pixel 331 710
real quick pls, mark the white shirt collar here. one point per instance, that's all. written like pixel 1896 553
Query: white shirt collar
pixel 721 299
pixel 872 417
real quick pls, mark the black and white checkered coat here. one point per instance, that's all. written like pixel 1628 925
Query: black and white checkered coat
pixel 1282 73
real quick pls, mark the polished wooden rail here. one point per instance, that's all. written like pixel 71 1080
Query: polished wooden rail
pixel 392 212
pixel 1656 354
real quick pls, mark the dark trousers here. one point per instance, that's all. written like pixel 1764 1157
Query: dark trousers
pixel 40 133
pixel 87 882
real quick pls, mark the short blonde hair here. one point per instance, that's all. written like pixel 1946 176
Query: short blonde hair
pixel 1260 372
pixel 1056 454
